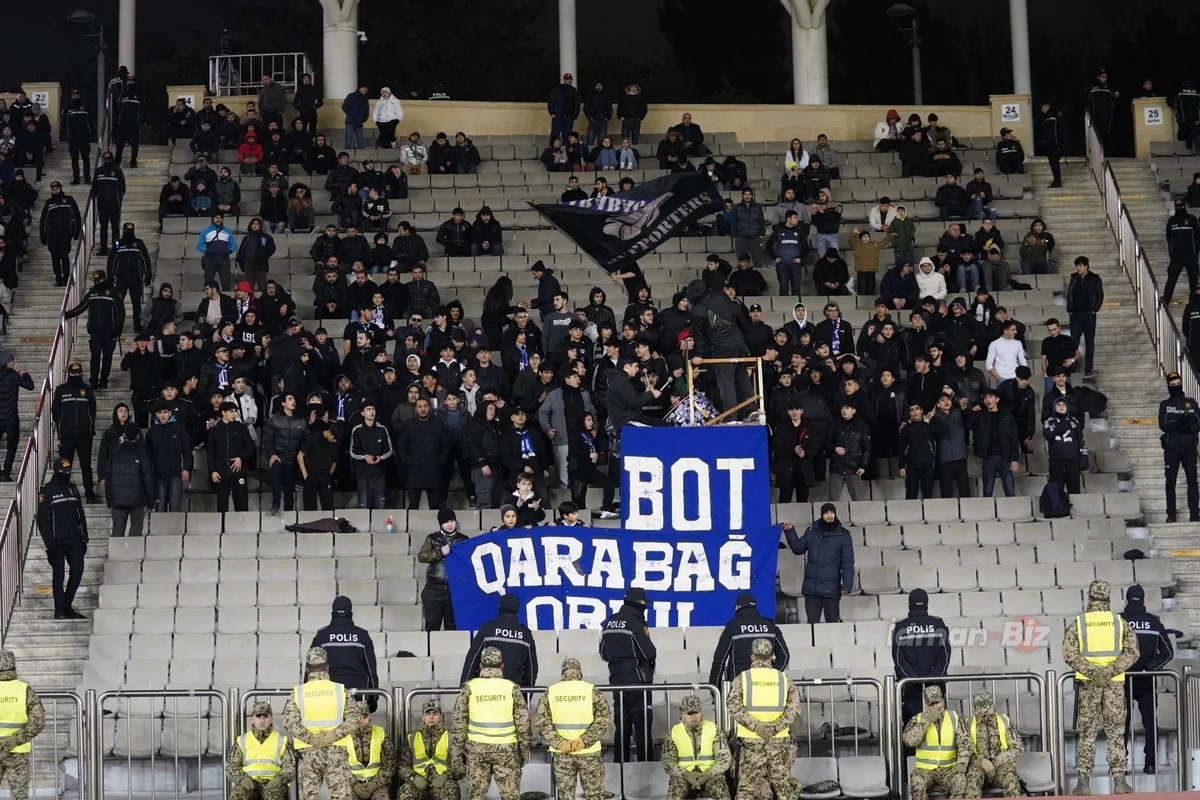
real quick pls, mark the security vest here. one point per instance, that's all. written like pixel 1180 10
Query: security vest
pixel 322 706
pixel 262 760
pixel 938 750
pixel 422 760
pixel 13 716
pixel 689 759
pixel 764 691
pixel 571 711
pixel 1001 725
pixel 490 712
pixel 1101 637
pixel 364 772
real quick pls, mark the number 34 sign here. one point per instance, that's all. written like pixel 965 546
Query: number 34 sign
pixel 1153 115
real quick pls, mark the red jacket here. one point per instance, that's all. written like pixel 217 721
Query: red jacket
pixel 250 149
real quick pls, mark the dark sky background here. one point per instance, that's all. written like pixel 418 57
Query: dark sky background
pixel 679 50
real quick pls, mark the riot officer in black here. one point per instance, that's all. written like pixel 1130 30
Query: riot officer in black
pixel 131 271
pixel 351 651
pixel 1179 421
pixel 78 128
pixel 732 655
pixel 1050 137
pixel 920 649
pixel 106 317
pixel 63 527
pixel 1100 102
pixel 129 122
pixel 1183 246
pixel 1187 113
pixel 1191 326
pixel 1156 651
pixel 625 644
pixel 74 414
pixel 59 226
pixel 109 189
pixel 512 639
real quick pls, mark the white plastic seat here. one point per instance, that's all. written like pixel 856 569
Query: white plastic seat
pixel 198 571
pixel 1062 602
pixel 114 621
pixel 918 577
pixel 193 646
pixel 917 536
pixel 981 604
pixel 127 548
pixel 315 569
pixel 942 510
pixel 859 608
pixel 1075 575
pixel 1094 549
pixel 978 556
pixel 235 546
pixel 191 671
pixel 238 569
pixel 1021 603
pixel 118 595
pixel 1087 506
pixel 236 645
pixel 852 657
pixel 959 534
pixel 315 546
pixel 160 572
pixel 1036 576
pixel 1036 769
pixel 886 537
pixel 147 673
pixel 995 533
pixel 279 620
pixel 880 580
pixel 154 621
pixel 277 593
pixel 867 512
pixel 957 579
pixel 237 595
pixel 277 545
pixel 1067 529
pixel 200 547
pixel 352 545
pixel 1121 505
pixel 398 591
pixel 811 658
pixel 149 646
pixel 164 548
pixel 1154 572
pixel 234 672
pixel 198 595
pixel 939 556
pixel 196 620
pixel 997 578
pixel 1117 573
pixel 278 672
pixel 1017 509
pixel 811 771
pixel 136 737
pixel 456 643
pixel 833 634
pixel 108 647
pixel 1049 552
pixel 1016 554
pixel 905 512
pixel 863 776
pixel 1032 533
pixel 977 509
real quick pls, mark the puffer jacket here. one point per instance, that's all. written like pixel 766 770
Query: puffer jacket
pixel 748 221
pixel 1064 437
pixel 855 438
pixel 829 569
pixel 283 435
pixel 128 478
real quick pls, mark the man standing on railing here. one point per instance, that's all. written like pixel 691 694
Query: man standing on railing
pixel 1179 421
pixel 60 224
pixel 109 189
pixel 1100 102
pixel 22 718
pixel 79 137
pixel 74 414
pixel 1183 244
pixel 1155 652
pixel 63 527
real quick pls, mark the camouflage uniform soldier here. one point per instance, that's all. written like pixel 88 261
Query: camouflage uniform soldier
pixel 311 717
pixel 21 719
pixel 572 717
pixel 696 755
pixel 943 748
pixel 1100 646
pixel 372 758
pixel 996 747
pixel 491 725
pixel 764 704
pixel 260 763
pixel 426 770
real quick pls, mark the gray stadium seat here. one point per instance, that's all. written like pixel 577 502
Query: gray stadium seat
pixel 811 771
pixel 863 776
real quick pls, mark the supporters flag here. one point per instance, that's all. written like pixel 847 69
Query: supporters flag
pixel 622 228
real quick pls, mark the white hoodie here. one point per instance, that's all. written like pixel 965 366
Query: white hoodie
pixel 929 282
pixel 388 109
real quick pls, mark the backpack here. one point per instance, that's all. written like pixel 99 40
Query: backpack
pixel 1054 502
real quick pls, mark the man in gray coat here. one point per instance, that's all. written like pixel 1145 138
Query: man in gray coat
pixel 950 429
pixel 552 417
pixel 272 100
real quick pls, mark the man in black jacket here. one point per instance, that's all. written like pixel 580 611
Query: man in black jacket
pixel 1051 142
pixel 626 647
pixel 1183 245
pixel 1085 297
pixel 917 454
pixel 170 450
pixel 106 318
pixel 1179 421
pixel 563 107
pixel 230 449
pixel 306 101
pixel 996 443
pixel 129 483
pixel 283 435
pixel 131 270
pixel 435 597
pixel 1100 103
pixel 145 368
pixel 1156 651
pixel 370 447
pixel 63 528
pixel 74 414
pixel 78 128
pixel 129 122
pixel 732 654
pixel 598 109
pixel 350 649
pixel 60 224
pixel 11 381
pixel 317 460
pixel 1018 399
pixel 624 399
pixel 849 453
pixel 109 189
pixel 718 323
pixel 513 640
pixel 920 649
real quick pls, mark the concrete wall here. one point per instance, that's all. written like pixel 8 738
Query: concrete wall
pixel 1153 121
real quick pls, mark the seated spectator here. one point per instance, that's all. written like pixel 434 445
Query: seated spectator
pixel 227 194
pixel 205 141
pixel 408 248
pixel 201 199
pixel 790 181
pixel 486 235
pixel 899 288
pixel 746 280
pixel 321 158
pixel 441 156
pixel 423 296
pixel 466 155
pixel 174 200
pixel 325 247
pixel 339 178
pixel 250 155
pixel 273 210
pixel 377 212
pixel 455 234
pixel 930 282
pixel 829 157
pixel 577 153
pixel 200 171
pixel 604 156
pixel 381 254
pixel 329 294
pixel 669 151
pixel 944 161
pixel 353 249
pixel 1010 156
pixel 814 178
pixel 880 217
pixel 691 137
pixel 789 202
pixel 229 133
pixel 831 274
pixel 888 134
pixel 348 207
pixel 914 156
pixel 735 174
pixel 298 143
pixel 414 154
pixel 573 193
pixel 555 157
pixel 951 199
pixel 301 217
pixel 628 157
pixel 395 183
pixel 980 194
pixel 712 170
pixel 367 178
pixel 796 156
pixel 275 152
pixel 1034 256
pixel 935 133
pixel 1038 227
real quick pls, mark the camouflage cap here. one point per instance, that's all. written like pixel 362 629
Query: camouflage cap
pixel 490 657
pixel 690 704
pixel 316 655
pixel 762 648
pixel 261 708
pixel 983 701
pixel 8 661
pixel 571 664
pixel 432 704
pixel 1099 590
pixel 933 694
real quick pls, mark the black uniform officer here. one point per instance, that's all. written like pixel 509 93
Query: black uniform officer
pixel 1100 102
pixel 1051 138
pixel 129 121
pixel 512 639
pixel 63 527
pixel 60 224
pixel 109 188
pixel 1156 650
pixel 1187 113
pixel 106 318
pixel 351 651
pixel 625 644
pixel 1191 326
pixel 1183 245
pixel 78 126
pixel 920 649
pixel 74 414
pixel 1179 421
pixel 131 271
pixel 732 655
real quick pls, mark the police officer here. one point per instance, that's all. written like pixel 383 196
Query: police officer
pixel 63 528
pixel 74 414
pixel 131 270
pixel 1191 326
pixel 129 121
pixel 60 224
pixel 625 644
pixel 512 639
pixel 79 137
pixel 1155 651
pixel 351 651
pixel 1179 421
pixel 1183 244
pixel 109 190
pixel 920 649
pixel 106 318
pixel 1050 132
pixel 732 655
pixel 1100 102
pixel 1187 113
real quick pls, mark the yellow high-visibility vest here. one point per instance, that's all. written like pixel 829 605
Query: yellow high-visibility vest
pixel 764 692
pixel 938 750
pixel 439 761
pixel 322 706
pixel 262 760
pixel 1101 637
pixel 571 711
pixel 364 772
pixel 490 711
pixel 1001 724
pixel 13 716
pixel 689 759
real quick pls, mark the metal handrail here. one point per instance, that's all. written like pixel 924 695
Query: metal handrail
pixel 241 74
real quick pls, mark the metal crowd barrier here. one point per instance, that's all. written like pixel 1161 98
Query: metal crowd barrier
pixel 388 707
pixel 65 714
pixel 835 692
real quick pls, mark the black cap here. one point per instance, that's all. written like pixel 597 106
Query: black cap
pixel 446 515
pixel 342 607
pixel 828 507
pixel 636 595
pixel 1135 594
pixel 538 266
pixel 918 600
pixel 756 307
pixel 746 599
pixel 1173 376
pixel 75 369
pixel 509 603
pixel 63 465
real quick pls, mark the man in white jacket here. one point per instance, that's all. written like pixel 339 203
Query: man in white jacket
pixel 388 113
pixel 414 154
pixel 881 216
pixel 930 282
pixel 1005 355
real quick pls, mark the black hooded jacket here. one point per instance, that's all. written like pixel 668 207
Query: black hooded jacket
pixel 626 646
pixel 515 643
pixel 732 654
pixel 920 644
pixel 351 653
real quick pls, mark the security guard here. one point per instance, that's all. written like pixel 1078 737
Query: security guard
pixel 74 415
pixel 1155 651
pixel 426 770
pixel 1100 102
pixel 78 127
pixel 1187 112
pixel 260 762
pixel 491 725
pixel 1183 246
pixel 60 224
pixel 63 527
pixel 22 718
pixel 106 319
pixel 372 758
pixel 943 748
pixel 732 655
pixel 1100 646
pixel 572 717
pixel 764 704
pixel 109 190
pixel 129 121
pixel 625 645
pixel 920 649
pixel 316 715
pixel 512 639
pixel 1050 130
pixel 696 756
pixel 996 747
pixel 1179 421
pixel 131 270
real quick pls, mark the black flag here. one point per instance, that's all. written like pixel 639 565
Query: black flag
pixel 622 228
